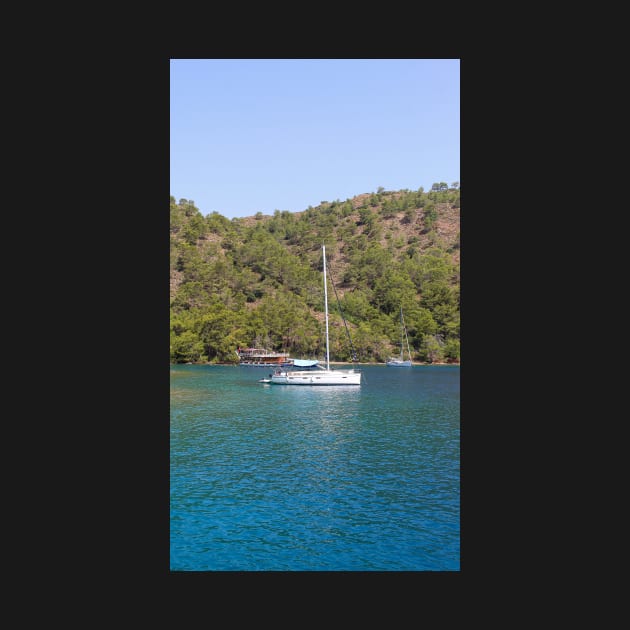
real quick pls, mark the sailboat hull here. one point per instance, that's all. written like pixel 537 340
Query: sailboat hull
pixel 317 377
pixel 398 363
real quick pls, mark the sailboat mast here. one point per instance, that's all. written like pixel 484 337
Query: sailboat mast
pixel 326 306
pixel 402 319
pixel 402 332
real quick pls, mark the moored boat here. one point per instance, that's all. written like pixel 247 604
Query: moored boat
pixel 261 357
pixel 401 361
pixel 319 375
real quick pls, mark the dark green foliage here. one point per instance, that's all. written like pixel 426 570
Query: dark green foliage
pixel 430 215
pixel 432 349
pixel 258 281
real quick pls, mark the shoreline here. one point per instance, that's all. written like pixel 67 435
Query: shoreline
pixel 413 363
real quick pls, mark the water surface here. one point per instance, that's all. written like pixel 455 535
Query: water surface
pixel 341 478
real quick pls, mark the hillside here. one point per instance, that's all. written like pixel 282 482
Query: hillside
pixel 257 280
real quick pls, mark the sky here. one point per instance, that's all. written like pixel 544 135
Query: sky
pixel 260 135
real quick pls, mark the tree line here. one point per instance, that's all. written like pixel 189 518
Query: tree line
pixel 258 281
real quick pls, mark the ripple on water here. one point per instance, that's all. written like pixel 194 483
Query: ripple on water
pixel 298 478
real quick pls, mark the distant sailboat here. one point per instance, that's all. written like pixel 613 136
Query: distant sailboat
pixel 400 361
pixel 320 375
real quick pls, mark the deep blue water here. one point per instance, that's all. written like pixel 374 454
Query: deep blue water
pixel 339 478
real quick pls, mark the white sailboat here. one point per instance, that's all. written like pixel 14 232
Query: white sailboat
pixel 401 361
pixel 321 375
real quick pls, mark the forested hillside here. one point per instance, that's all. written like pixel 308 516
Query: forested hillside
pixel 257 281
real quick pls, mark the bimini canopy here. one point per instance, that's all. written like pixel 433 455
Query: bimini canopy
pixel 305 362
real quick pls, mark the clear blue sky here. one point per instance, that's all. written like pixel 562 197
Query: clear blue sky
pixel 259 135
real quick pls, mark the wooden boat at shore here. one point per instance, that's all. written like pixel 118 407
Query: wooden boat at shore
pixel 261 357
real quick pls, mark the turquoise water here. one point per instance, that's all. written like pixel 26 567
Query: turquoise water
pixel 340 478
